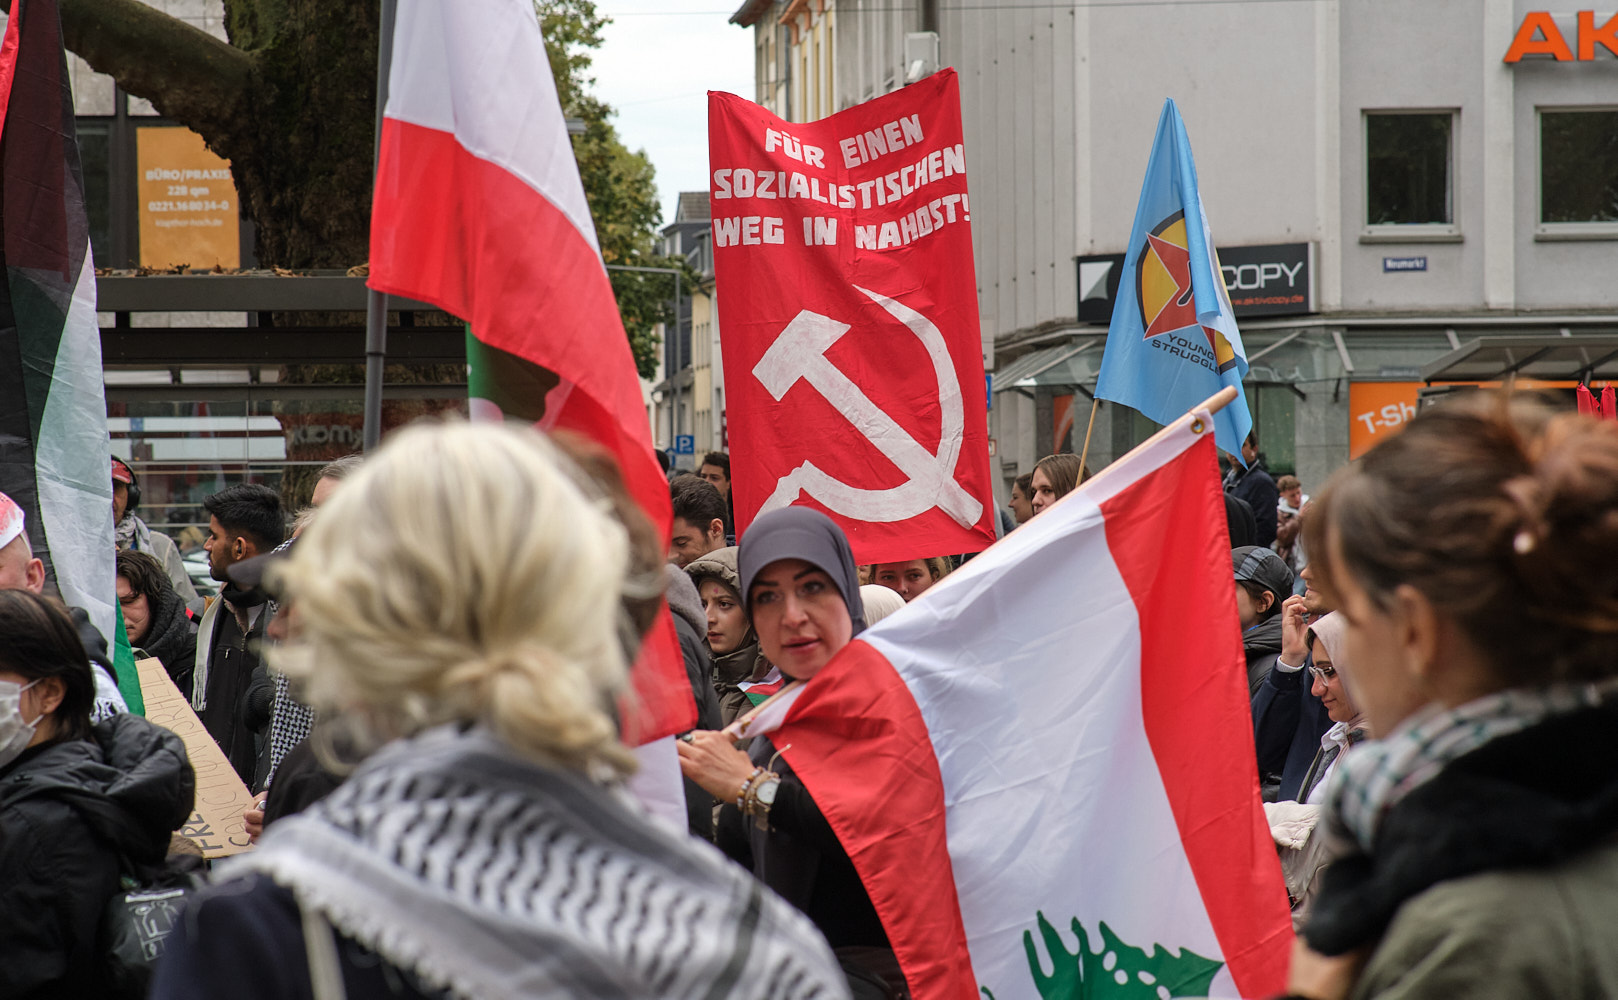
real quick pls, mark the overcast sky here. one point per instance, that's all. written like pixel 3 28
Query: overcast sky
pixel 656 64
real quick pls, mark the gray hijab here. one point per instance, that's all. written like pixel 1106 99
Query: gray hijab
pixel 801 533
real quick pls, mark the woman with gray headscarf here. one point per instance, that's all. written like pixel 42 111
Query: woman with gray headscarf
pixel 802 591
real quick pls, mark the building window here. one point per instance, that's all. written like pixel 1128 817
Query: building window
pixel 95 160
pixel 1578 174
pixel 1410 175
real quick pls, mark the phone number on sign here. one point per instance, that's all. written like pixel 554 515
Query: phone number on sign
pixel 188 206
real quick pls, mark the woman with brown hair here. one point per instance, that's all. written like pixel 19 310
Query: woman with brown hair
pixel 1474 559
pixel 910 579
pixel 1054 477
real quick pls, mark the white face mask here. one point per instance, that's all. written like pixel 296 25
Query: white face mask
pixel 15 731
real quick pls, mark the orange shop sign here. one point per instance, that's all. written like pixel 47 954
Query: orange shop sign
pixel 1378 410
pixel 1538 35
pixel 187 201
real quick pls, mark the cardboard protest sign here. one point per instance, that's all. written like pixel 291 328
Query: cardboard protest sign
pixel 848 310
pixel 216 821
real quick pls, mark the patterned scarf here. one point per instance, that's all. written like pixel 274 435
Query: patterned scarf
pixel 132 533
pixel 490 876
pixel 1379 773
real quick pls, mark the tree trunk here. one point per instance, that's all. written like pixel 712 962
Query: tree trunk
pixel 290 102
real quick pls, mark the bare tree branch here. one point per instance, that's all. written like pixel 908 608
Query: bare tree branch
pixel 187 74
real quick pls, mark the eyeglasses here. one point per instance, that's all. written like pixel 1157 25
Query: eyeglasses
pixel 1325 674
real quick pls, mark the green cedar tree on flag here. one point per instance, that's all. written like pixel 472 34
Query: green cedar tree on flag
pixel 53 412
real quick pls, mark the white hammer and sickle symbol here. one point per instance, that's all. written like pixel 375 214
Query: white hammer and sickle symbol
pixel 799 352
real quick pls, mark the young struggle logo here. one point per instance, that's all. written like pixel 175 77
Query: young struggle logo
pixel 1163 288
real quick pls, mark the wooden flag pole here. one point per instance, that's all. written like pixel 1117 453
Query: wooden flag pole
pixel 1213 404
pixel 1084 456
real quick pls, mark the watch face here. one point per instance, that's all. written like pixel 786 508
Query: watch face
pixel 766 792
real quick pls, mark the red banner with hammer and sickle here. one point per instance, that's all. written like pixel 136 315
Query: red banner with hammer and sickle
pixel 848 320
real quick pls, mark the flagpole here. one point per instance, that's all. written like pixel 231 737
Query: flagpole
pixel 1084 456
pixel 376 303
pixel 1213 404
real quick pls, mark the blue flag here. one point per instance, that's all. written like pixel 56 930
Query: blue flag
pixel 1173 341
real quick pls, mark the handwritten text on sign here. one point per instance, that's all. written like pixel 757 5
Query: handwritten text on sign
pixel 216 822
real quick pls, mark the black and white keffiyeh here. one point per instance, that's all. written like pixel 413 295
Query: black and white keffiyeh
pixel 491 876
pixel 291 721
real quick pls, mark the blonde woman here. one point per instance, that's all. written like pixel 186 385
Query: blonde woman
pixel 461 595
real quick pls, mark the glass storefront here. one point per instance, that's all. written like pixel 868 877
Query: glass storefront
pixel 202 438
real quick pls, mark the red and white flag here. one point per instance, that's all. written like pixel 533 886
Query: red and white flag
pixel 1043 769
pixel 479 210
pixel 848 310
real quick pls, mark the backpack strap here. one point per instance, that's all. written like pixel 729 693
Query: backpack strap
pixel 325 973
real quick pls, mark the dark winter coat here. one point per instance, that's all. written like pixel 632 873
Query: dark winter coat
pixel 239 690
pixel 1498 878
pixel 1288 722
pixel 691 624
pixel 68 812
pixel 1260 644
pixel 171 636
pixel 800 857
pixel 1254 486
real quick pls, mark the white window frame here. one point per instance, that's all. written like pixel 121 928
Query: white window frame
pixel 1410 232
pixel 1553 232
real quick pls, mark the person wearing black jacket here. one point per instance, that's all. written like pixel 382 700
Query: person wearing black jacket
pixel 155 616
pixel 231 691
pixel 690 624
pixel 80 805
pixel 1288 720
pixel 1256 488
pixel 1262 583
pixel 802 592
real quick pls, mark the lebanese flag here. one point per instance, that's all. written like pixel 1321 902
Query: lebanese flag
pixel 1043 768
pixel 479 210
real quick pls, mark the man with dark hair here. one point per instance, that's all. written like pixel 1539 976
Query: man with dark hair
pixel 1254 487
pixel 699 519
pixel 230 690
pixel 715 468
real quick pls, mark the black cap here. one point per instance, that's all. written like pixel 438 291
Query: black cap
pixel 1260 565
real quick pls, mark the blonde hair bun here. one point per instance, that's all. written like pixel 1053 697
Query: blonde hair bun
pixel 463 574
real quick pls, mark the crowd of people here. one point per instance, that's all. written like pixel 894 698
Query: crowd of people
pixel 418 676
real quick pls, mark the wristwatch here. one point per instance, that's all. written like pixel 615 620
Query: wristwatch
pixel 761 797
pixel 766 792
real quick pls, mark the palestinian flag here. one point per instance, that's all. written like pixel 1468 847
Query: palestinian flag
pixel 479 210
pixel 1043 768
pixel 758 692
pixel 53 413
